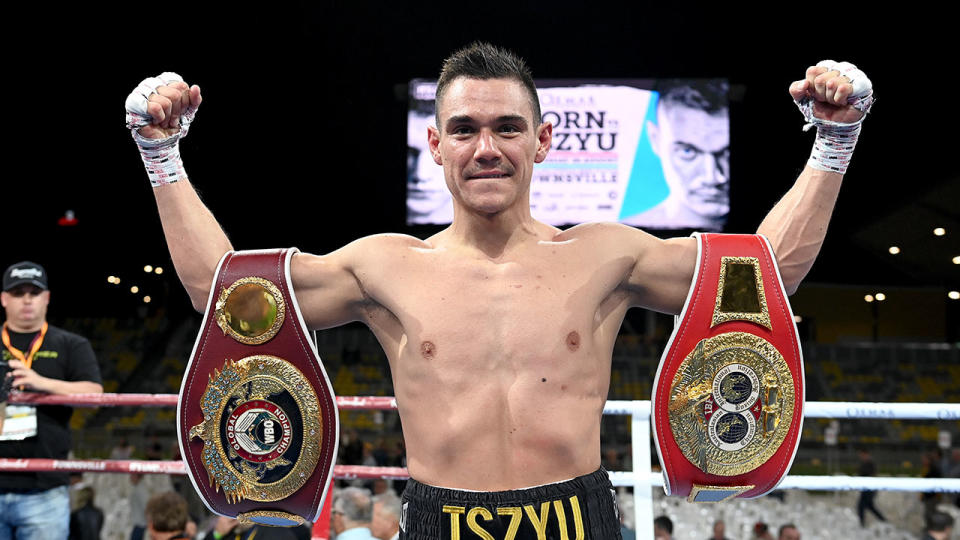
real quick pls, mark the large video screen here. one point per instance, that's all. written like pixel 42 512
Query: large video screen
pixel 649 153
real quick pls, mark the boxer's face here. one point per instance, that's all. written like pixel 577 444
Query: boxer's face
pixel 694 150
pixel 26 307
pixel 487 143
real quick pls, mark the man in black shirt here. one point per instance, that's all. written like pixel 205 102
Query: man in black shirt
pixel 38 358
pixel 867 468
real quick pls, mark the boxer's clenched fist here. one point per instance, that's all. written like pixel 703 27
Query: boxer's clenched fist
pixel 159 112
pixel 836 90
pixel 158 105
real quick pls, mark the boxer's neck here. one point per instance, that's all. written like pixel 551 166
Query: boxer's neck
pixel 495 234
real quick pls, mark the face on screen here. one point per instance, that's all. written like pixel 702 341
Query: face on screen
pixel 428 200
pixel 694 150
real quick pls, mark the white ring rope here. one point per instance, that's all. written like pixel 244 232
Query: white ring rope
pixel 812 409
pixel 638 409
pixel 829 483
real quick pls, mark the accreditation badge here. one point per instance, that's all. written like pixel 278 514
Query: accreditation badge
pixel 19 423
pixel 729 391
pixel 256 417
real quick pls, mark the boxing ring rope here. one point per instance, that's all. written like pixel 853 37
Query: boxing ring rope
pixel 639 411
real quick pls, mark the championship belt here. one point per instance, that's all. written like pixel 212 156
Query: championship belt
pixel 256 418
pixel 728 396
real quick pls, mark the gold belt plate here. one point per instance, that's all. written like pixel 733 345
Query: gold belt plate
pixel 731 403
pixel 261 429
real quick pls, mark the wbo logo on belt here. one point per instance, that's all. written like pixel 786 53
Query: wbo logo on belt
pixel 729 391
pixel 257 418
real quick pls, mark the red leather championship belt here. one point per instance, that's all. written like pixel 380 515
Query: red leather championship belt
pixel 257 419
pixel 728 397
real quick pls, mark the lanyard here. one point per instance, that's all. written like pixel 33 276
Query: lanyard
pixel 34 345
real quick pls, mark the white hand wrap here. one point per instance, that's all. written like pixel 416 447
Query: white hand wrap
pixel 161 157
pixel 835 141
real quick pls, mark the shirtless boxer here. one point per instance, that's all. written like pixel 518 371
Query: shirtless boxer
pixel 499 329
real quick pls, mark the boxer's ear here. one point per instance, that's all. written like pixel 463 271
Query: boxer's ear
pixel 544 141
pixel 433 141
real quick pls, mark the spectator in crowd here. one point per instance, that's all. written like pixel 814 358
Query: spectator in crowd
pixel 761 531
pixel 939 526
pixel 381 486
pixel 38 357
pixel 789 532
pixel 954 470
pixel 87 520
pixel 626 533
pixel 865 502
pixel 931 469
pixel 381 453
pixel 123 450
pixel 662 528
pixel 230 529
pixel 351 448
pixel 6 384
pixel 167 517
pixel 138 506
pixel 386 516
pixel 352 514
pixel 719 529
pixel 154 450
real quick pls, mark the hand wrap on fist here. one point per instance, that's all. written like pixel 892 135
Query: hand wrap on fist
pixel 835 142
pixel 161 156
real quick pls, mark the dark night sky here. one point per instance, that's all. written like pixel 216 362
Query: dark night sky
pixel 301 138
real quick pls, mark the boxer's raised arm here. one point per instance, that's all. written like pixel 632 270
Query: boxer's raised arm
pixel 797 224
pixel 159 112
pixel 194 238
pixel 834 97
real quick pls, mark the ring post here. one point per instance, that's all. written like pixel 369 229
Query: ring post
pixel 642 491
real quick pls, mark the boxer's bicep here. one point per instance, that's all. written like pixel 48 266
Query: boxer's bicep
pixel 662 274
pixel 328 291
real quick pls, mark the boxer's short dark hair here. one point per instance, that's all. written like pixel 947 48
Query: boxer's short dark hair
pixel 484 61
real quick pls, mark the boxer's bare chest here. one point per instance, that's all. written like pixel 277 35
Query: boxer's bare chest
pixel 535 307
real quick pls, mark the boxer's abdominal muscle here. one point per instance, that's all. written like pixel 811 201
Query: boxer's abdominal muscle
pixel 501 368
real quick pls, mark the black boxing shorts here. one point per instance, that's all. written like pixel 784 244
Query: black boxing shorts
pixel 584 508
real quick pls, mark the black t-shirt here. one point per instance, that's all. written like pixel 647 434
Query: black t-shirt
pixel 64 356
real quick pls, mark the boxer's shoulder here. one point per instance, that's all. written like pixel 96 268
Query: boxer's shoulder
pixel 614 239
pixel 381 251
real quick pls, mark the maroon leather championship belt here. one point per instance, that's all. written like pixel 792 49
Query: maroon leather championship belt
pixel 728 396
pixel 257 418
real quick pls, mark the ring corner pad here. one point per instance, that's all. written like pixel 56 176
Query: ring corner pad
pixel 715 494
